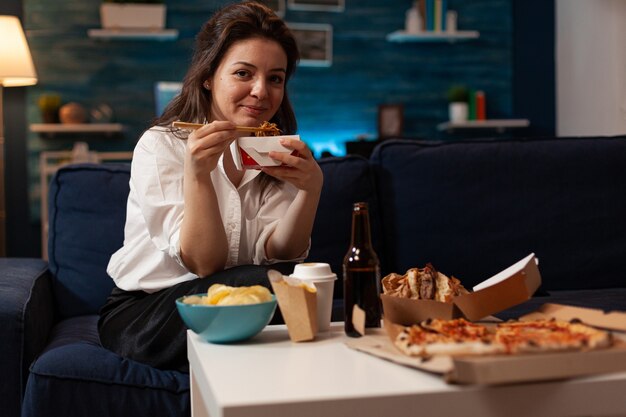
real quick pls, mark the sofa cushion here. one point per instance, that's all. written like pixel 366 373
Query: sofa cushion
pixel 87 212
pixel 472 208
pixel 26 315
pixel 93 381
pixel 347 180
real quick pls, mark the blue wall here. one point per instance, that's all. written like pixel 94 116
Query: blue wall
pixel 333 104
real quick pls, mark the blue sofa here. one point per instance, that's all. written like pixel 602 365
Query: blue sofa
pixel 470 208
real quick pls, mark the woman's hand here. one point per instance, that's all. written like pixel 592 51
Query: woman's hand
pixel 206 145
pixel 300 169
pixel 203 243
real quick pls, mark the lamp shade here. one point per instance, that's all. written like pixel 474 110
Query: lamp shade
pixel 16 64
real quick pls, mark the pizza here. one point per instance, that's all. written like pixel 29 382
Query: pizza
pixel 460 337
pixel 549 335
pixel 423 284
pixel 446 337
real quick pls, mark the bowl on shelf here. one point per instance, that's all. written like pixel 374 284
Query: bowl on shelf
pixel 226 323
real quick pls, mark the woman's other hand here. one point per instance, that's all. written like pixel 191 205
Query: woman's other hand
pixel 300 169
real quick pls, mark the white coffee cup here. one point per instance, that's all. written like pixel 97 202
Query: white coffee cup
pixel 324 279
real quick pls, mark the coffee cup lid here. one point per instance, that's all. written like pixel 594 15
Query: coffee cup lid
pixel 324 278
pixel 314 271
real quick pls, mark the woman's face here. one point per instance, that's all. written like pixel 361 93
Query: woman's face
pixel 249 84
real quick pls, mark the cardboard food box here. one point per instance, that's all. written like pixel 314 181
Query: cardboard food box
pixel 298 304
pixel 510 287
pixel 507 369
pixel 507 288
pixel 252 152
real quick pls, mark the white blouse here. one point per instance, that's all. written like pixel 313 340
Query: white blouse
pixel 150 258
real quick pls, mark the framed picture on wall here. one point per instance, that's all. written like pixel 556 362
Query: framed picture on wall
pixel 317 5
pixel 277 5
pixel 390 120
pixel 315 42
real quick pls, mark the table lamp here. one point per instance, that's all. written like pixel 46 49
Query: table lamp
pixel 16 70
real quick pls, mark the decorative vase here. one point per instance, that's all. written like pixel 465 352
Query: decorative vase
pixel 72 113
pixel 458 112
pixel 132 16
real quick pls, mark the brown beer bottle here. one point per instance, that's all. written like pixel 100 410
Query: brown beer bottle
pixel 361 273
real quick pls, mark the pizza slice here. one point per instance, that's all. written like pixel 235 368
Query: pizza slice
pixel 550 335
pixel 446 337
pixel 459 330
pixel 461 337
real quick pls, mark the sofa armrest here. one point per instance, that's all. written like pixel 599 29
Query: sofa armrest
pixel 26 319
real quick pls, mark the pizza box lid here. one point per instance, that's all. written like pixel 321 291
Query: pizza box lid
pixel 497 369
pixel 611 320
pixel 510 287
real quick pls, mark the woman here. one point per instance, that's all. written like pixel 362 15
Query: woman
pixel 193 219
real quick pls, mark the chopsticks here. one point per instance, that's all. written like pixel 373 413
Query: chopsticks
pixel 194 126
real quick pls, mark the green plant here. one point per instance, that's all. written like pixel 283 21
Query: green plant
pixel 458 93
pixel 49 105
pixel 47 102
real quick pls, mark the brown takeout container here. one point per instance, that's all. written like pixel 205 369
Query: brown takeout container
pixel 298 306
pixel 612 320
pixel 512 286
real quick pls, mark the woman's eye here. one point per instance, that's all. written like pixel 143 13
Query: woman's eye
pixel 276 79
pixel 242 73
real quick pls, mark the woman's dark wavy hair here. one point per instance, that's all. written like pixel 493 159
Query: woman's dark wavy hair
pixel 232 23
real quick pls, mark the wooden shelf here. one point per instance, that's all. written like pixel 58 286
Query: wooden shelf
pixel 403 37
pixel 498 124
pixel 60 128
pixel 126 34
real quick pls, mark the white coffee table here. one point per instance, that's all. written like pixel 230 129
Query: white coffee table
pixel 269 376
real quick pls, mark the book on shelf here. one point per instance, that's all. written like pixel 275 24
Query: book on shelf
pixel 434 14
pixel 477 105
pixel 421 7
pixel 481 105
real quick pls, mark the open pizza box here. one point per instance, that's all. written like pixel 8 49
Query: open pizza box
pixel 498 369
pixel 512 286
pixel 252 152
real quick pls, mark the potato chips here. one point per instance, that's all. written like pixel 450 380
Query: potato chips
pixel 220 294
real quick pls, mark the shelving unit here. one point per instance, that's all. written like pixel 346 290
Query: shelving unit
pixel 119 34
pixel 497 124
pixel 59 128
pixel 401 36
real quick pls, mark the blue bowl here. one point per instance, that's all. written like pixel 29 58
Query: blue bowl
pixel 228 323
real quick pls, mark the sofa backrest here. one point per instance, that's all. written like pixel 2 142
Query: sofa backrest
pixel 87 212
pixel 469 208
pixel 347 180
pixel 473 208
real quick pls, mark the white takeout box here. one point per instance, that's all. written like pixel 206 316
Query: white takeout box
pixel 251 152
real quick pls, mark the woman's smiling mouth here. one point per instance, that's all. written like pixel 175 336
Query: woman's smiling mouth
pixel 254 110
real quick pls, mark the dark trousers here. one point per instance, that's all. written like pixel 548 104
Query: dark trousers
pixel 147 327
